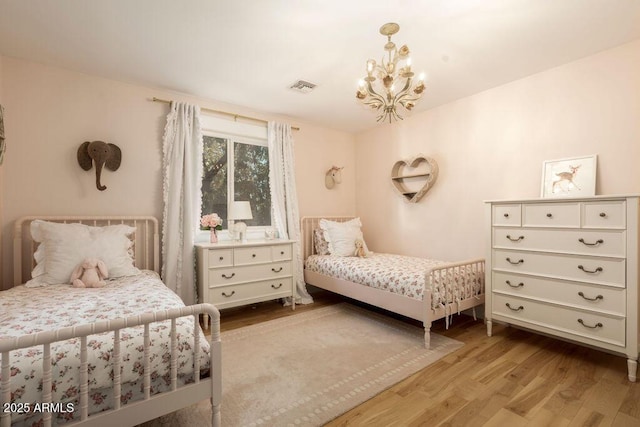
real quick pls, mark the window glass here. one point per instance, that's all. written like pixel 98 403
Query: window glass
pixel 251 181
pixel 214 177
pixel 239 168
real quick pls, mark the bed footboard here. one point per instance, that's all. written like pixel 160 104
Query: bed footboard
pixel 151 406
pixel 451 288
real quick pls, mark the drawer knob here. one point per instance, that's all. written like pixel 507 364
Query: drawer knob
pixel 506 215
pixel 596 243
pixel 281 252
pixel 224 294
pixel 602 214
pixel 515 240
pixel 520 261
pixel 519 285
pixel 590 299
pixel 221 258
pixel 228 277
pixel 597 325
pixel 276 270
pixel 549 215
pixel 253 255
pixel 514 309
pixel 276 287
pixel 597 270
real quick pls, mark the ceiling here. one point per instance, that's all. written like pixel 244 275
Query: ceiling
pixel 249 52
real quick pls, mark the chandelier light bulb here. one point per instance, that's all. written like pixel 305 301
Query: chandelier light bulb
pixel 380 94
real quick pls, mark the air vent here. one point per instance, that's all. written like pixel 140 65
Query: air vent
pixel 302 86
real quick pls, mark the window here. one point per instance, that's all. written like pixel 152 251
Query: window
pixel 236 169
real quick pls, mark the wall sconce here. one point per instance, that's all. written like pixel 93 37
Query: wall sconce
pixel 333 177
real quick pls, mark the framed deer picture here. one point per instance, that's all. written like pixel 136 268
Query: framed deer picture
pixel 572 177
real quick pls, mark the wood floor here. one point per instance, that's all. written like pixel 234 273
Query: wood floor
pixel 514 378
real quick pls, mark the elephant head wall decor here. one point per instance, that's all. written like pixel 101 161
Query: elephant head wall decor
pixel 102 154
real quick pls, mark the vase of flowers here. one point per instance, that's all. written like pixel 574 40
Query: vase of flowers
pixel 213 223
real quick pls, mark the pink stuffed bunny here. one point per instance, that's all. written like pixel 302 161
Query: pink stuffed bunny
pixel 89 274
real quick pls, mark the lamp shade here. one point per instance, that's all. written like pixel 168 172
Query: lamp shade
pixel 240 210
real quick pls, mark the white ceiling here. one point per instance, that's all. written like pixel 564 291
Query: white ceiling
pixel 248 52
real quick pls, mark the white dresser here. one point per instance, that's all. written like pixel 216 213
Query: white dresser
pixel 233 273
pixel 568 268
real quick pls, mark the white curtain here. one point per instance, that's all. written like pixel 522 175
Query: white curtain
pixel 182 172
pixel 284 198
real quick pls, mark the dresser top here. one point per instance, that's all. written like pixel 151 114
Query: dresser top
pixel 248 243
pixel 567 199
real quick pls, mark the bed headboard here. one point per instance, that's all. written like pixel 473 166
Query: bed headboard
pixel 310 223
pixel 146 240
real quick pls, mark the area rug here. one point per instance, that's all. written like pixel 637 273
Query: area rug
pixel 309 368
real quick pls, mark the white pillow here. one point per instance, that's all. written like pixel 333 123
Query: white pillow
pixel 64 246
pixel 342 236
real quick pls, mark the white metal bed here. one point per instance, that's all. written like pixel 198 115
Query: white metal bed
pixel 449 274
pixel 145 245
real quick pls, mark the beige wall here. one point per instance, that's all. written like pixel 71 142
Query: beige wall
pixel 492 145
pixel 51 111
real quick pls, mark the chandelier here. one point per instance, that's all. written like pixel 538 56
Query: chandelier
pixel 394 77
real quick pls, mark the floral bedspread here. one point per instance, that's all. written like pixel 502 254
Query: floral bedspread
pixel 30 310
pixel 399 274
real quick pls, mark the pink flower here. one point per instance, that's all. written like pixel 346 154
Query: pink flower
pixel 211 221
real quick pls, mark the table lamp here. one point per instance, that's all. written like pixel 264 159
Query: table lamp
pixel 240 211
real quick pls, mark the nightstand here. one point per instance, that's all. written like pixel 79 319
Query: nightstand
pixel 232 274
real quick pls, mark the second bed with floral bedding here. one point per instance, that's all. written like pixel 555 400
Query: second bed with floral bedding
pixel 422 289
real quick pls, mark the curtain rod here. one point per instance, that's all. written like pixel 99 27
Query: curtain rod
pixel 235 116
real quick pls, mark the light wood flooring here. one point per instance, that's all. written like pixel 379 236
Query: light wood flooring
pixel 514 378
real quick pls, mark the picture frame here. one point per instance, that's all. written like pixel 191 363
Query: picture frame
pixel 570 177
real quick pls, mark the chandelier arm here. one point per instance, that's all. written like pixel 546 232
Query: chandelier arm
pixel 372 93
pixel 404 90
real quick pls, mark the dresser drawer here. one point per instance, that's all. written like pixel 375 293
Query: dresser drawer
pixel 249 273
pixel 220 257
pixel 551 215
pixel 581 295
pixel 600 327
pixel 582 242
pixel 281 252
pixel 253 255
pixel 506 215
pixel 232 294
pixel 604 214
pixel 604 271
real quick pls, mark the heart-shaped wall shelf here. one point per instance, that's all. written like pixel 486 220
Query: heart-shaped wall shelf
pixel 414 178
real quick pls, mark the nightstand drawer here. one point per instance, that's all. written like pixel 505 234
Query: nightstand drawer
pixel 580 323
pixel 580 295
pixel 250 273
pixel 604 271
pixel 579 241
pixel 506 215
pixel 551 215
pixel 220 258
pixel 249 292
pixel 253 255
pixel 604 214
pixel 281 253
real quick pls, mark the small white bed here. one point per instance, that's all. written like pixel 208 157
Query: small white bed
pixel 121 354
pixel 421 289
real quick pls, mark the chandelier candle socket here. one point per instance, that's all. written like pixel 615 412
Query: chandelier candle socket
pixel 396 70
